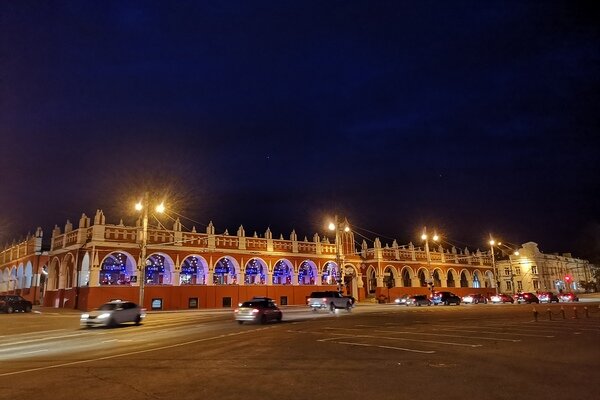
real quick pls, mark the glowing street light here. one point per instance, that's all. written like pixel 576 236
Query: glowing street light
pixel 143 206
pixel 339 227
pixel 425 238
pixel 492 243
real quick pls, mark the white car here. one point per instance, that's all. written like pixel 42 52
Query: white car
pixel 113 313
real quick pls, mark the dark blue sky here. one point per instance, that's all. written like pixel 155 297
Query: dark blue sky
pixel 473 117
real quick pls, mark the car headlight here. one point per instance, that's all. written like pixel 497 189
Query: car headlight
pixel 102 316
pixel 85 316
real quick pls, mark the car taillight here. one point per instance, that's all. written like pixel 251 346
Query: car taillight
pixel 237 310
pixel 324 298
pixel 254 311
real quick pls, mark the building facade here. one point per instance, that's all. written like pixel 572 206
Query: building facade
pixel 534 271
pixel 94 262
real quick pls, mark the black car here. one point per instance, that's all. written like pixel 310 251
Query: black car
pixel 10 303
pixel 526 298
pixel 445 298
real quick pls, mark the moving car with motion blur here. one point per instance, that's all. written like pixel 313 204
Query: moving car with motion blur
pixel 260 309
pixel 502 298
pixel 527 298
pixel 113 313
pixel 474 298
pixel 10 303
pixel 568 297
pixel 418 300
pixel 401 301
pixel 329 300
pixel 445 298
pixel 548 297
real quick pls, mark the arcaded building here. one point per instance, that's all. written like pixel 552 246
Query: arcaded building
pixel 97 261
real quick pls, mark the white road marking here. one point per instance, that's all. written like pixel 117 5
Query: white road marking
pixel 388 347
pixel 408 340
pixel 35 351
pixel 497 333
pixel 39 340
pixel 171 346
pixel 457 336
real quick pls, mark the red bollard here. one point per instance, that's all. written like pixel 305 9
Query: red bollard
pixel 575 312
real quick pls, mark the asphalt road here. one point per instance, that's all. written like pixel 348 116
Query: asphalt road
pixel 375 352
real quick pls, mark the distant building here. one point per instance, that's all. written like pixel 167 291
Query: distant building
pixel 533 271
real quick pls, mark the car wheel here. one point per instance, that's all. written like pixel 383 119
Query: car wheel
pixel 332 307
pixel 279 317
pixel 9 310
pixel 138 319
pixel 348 306
pixel 263 319
pixel 446 303
pixel 111 323
pixel 27 308
pixel 240 322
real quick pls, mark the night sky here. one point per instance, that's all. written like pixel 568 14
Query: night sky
pixel 470 117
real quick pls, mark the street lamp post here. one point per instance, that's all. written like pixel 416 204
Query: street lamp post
pixel 435 238
pixel 492 243
pixel 143 206
pixel 339 228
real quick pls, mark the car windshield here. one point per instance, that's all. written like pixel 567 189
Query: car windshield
pixel 108 307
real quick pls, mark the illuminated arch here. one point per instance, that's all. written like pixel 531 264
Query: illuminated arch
pixel 159 268
pixel 422 275
pixel 330 273
pixel 465 278
pixel 255 272
pixel 117 268
pixel 407 274
pixel 451 278
pixel 226 271
pixel 476 279
pixel 84 274
pixel 371 279
pixel 390 276
pixel 307 273
pixel 193 270
pixel 28 275
pixel 19 278
pixel 283 271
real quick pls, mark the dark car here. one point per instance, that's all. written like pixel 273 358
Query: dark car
pixel 567 297
pixel 548 297
pixel 526 298
pixel 474 298
pixel 502 298
pixel 445 298
pixel 10 303
pixel 260 310
pixel 418 300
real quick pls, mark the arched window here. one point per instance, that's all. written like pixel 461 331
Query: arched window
pixel 255 272
pixel 225 273
pixel 116 269
pixel 451 282
pixel 476 283
pixel 406 281
pixel 422 279
pixel 282 273
pixel 193 271
pixel 437 282
pixel 330 273
pixel 388 278
pixel 307 273
pixel 158 270
pixel 463 280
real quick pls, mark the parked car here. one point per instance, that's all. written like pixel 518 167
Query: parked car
pixel 502 298
pixel 548 297
pixel 329 300
pixel 445 298
pixel 526 298
pixel 260 310
pixel 567 297
pixel 402 300
pixel 10 303
pixel 113 313
pixel 418 300
pixel 474 298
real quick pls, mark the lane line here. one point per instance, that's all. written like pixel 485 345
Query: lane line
pixel 125 354
pixel 409 340
pixel 457 336
pixel 39 340
pixel 35 351
pixel 497 333
pixel 389 347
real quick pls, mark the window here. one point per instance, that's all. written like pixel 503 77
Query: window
pixel 536 284
pixel 517 270
pixel 508 285
pixel 193 302
pixel 534 269
pixel 506 272
pixel 519 286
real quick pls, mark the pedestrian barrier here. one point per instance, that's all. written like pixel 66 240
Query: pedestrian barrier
pixel 562 313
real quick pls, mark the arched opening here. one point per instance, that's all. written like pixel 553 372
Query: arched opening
pixel 12 282
pixel 117 269
pixel 389 279
pixel 406 278
pixel 158 269
pixel 371 280
pixel 307 273
pixel 422 278
pixel 19 280
pixel 330 273
pixel 476 283
pixel 84 274
pixel 464 282
pixel 282 273
pixel 28 275
pixel 350 281
pixel 69 268
pixel 194 270
pixel 53 274
pixel 437 281
pixel 225 272
pixel 489 279
pixel 4 280
pixel 255 272
pixel 450 281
